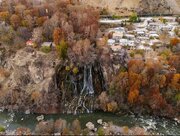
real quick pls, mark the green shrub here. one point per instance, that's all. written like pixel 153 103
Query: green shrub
pixel 134 18
pixel 116 17
pixel 132 54
pixel 177 97
pixel 165 54
pixel 45 49
pixel 68 68
pixel 75 70
pixel 100 131
pixel 62 49
pixel 2 128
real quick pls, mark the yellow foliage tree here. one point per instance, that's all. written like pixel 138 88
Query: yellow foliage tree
pixel 35 96
pixel 4 16
pixel 162 81
pixel 112 106
pixel 133 96
pixel 175 82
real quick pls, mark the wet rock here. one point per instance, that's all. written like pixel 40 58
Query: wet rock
pixel 60 125
pixel 40 118
pixel 177 119
pixel 23 131
pixel 113 129
pixel 90 126
pixel 45 128
pixel 27 111
pixel 100 121
pixel 138 131
pixel 76 127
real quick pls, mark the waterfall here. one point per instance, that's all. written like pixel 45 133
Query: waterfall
pixel 77 91
pixel 86 92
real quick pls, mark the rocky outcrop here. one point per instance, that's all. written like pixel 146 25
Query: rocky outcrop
pixel 32 81
pixel 154 7
pixel 29 83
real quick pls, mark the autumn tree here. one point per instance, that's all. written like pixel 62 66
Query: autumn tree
pixel 156 101
pixel 174 61
pixel 15 21
pixel 7 34
pixel 174 41
pixel 37 35
pixel 68 31
pixel 136 66
pixel 175 82
pixel 85 22
pixel 103 51
pixel 58 35
pixel 133 96
pixel 4 16
pixel 24 33
pixel 134 83
pixel 82 52
pixel 19 9
pixel 51 24
pixel 61 49
pixel 40 21
pixel 29 20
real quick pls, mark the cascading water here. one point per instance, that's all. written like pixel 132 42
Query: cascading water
pixel 78 91
pixel 87 90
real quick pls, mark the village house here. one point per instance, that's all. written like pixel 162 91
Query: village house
pixel 145 48
pixel 153 26
pixel 48 44
pixel 117 35
pixel 111 42
pixel 129 36
pixel 30 43
pixel 166 27
pixel 155 42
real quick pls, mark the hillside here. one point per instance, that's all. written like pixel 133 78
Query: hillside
pixel 125 7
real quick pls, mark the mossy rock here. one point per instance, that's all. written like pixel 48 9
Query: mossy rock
pixel 100 131
pixel 2 128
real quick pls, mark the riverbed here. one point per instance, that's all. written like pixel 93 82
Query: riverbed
pixel 161 126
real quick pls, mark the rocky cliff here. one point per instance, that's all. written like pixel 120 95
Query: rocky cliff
pixel 126 7
pixel 27 82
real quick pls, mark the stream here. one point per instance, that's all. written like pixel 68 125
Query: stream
pixel 155 125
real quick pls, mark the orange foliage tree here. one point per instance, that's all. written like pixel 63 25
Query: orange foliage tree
pixel 175 82
pixel 156 100
pixel 174 41
pixel 57 35
pixel 135 66
pixel 4 16
pixel 15 21
pixel 133 96
pixel 134 83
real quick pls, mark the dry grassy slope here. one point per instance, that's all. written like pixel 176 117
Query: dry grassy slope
pixel 111 4
pixel 135 4
pixel 175 5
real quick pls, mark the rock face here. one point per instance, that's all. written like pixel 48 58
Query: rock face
pixel 126 7
pixel 30 83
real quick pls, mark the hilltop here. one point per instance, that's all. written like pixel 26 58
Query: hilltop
pixel 126 7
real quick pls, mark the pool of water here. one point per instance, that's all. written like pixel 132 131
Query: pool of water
pixel 158 125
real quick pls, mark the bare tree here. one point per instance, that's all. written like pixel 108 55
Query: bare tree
pixel 37 35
